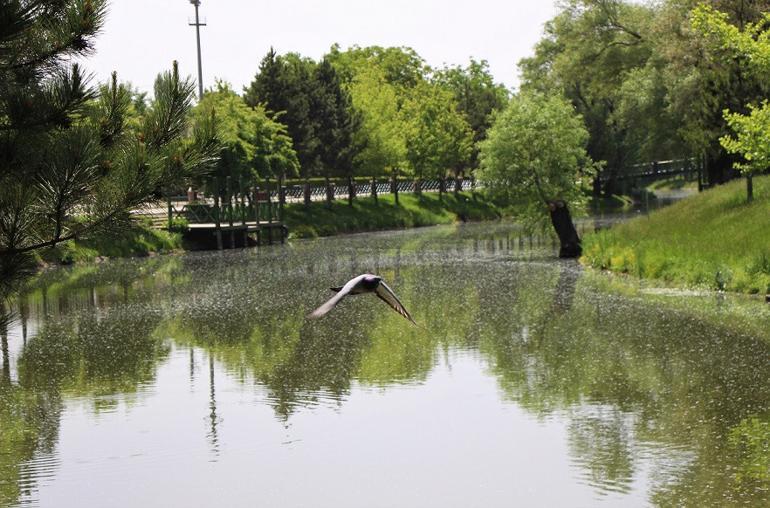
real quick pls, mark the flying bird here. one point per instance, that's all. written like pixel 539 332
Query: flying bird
pixel 366 283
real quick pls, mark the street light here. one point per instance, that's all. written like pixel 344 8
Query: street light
pixel 198 26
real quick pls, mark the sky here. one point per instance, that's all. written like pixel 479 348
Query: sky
pixel 142 37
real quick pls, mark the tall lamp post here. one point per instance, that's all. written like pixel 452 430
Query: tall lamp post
pixel 198 26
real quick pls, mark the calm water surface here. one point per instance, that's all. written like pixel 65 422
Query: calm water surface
pixel 197 381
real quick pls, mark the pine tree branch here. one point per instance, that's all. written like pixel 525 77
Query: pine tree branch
pixel 70 236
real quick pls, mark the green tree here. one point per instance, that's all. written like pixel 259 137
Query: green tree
pixel 382 135
pixel 477 96
pixel 253 145
pixel 535 153
pixel 751 142
pixel 68 170
pixel 438 138
pixel 591 53
pixel 750 45
pixel 284 84
pixel 703 79
pixel 337 123
pixel 402 66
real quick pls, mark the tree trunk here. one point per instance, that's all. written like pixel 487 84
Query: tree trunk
pixel 394 184
pixel 307 193
pixel 749 188
pixel 565 229
pixel 418 186
pixel 597 187
pixel 351 190
pixel 719 168
pixel 441 188
pixel 458 183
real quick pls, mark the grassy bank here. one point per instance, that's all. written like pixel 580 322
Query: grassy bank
pixel 303 222
pixel 366 214
pixel 714 239
pixel 138 241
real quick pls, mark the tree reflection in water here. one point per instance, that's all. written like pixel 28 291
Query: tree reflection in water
pixel 635 380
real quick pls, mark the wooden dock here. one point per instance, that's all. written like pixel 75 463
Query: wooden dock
pixel 236 235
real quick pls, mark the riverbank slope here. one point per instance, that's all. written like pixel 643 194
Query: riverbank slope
pixel 368 214
pixel 714 239
pixel 317 219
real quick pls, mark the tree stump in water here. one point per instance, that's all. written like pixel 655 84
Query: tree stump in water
pixel 562 223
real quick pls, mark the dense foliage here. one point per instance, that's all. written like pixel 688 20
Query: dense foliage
pixel 253 144
pixel 378 111
pixel 648 83
pixel 674 79
pixel 749 45
pixel 74 160
pixel 535 153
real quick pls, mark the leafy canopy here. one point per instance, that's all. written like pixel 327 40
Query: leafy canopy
pixel 535 152
pixel 75 160
pixel 438 138
pixel 751 45
pixel 751 140
pixel 254 143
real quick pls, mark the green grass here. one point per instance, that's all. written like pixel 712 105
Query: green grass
pixel 673 184
pixel 714 239
pixel 138 241
pixel 369 215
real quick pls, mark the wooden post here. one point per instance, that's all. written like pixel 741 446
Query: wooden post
pixel 329 192
pixel 217 214
pixel 257 215
pixel 307 192
pixel 374 188
pixel 170 210
pixel 269 202
pixel 243 212
pixel 229 182
pixel 281 197
pixel 256 204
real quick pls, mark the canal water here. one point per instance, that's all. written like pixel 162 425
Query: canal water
pixel 197 381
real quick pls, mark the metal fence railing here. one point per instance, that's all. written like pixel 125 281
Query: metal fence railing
pixel 201 210
pixel 340 191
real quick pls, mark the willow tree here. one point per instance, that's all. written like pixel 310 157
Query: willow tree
pixel 535 158
pixel 71 166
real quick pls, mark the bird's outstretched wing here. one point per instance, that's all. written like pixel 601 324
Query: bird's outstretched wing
pixel 388 296
pixel 334 300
